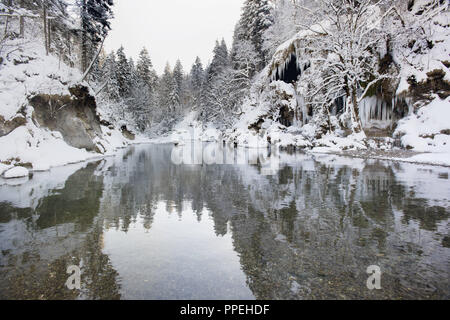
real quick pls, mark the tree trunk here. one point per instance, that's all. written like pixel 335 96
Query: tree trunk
pixel 21 23
pixel 88 69
pixel 84 37
pixel 6 26
pixel 49 32
pixel 9 3
pixel 44 17
pixel 355 111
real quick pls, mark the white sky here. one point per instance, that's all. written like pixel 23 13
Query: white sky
pixel 172 29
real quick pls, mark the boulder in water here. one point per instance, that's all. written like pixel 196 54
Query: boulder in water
pixel 16 172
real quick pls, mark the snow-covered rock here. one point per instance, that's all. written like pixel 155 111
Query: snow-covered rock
pixel 429 129
pixel 16 172
pixel 4 168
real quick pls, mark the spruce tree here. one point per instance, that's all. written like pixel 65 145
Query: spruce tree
pixel 220 60
pixel 110 72
pixel 123 73
pixel 256 18
pixel 148 76
pixel 95 24
pixel 178 76
pixel 144 66
pixel 174 97
pixel 197 78
pixel 216 74
pixel 165 90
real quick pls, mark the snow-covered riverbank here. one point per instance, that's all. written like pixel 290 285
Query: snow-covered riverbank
pixel 398 155
pixel 356 146
pixel 48 118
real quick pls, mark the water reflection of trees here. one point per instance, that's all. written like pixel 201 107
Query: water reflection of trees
pixel 63 230
pixel 310 231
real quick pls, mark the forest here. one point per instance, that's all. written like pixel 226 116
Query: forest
pixel 321 75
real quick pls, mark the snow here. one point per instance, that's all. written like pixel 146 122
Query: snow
pixel 428 130
pixel 29 71
pixel 16 172
pixel 44 149
pixel 37 74
pixel 414 62
pixel 440 159
pixel 3 168
pixel 191 129
pixel 333 143
pixel 40 148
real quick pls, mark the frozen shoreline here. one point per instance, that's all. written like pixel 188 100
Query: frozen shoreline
pixel 85 158
pixel 396 155
pixel 420 158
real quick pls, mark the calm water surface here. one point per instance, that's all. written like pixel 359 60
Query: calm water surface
pixel 142 227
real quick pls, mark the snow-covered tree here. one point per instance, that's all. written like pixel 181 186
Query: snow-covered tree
pixel 123 73
pixel 165 90
pixel 144 69
pixel 221 98
pixel 147 84
pixel 109 71
pixel 343 47
pixel 197 79
pixel 245 62
pixel 179 95
pixel 219 61
pixel 213 78
pixel 174 97
pixel 95 18
pixel 286 15
pixel 256 18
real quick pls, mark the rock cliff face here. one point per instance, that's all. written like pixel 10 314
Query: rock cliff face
pixel 73 116
pixel 8 126
pixel 55 129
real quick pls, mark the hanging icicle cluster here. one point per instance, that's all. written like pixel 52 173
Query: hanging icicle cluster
pixel 287 65
pixel 376 112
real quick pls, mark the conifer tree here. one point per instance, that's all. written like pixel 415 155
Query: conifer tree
pixel 197 78
pixel 110 72
pixel 144 66
pixel 256 18
pixel 123 72
pixel 216 77
pixel 95 24
pixel 165 90
pixel 179 87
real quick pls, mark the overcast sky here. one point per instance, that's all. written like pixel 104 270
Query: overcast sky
pixel 172 29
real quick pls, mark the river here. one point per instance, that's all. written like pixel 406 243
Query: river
pixel 143 225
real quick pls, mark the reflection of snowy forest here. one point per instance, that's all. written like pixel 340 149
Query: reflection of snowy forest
pixel 307 232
